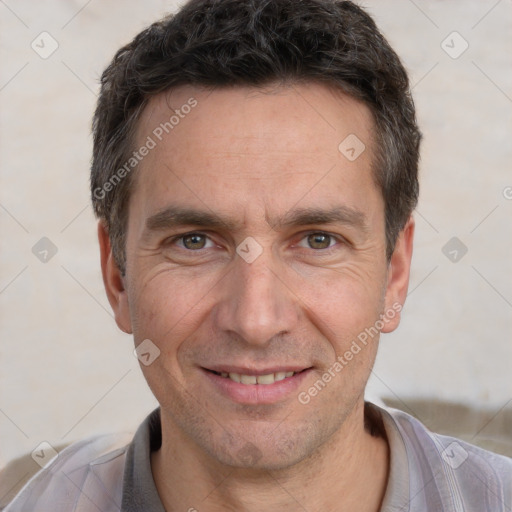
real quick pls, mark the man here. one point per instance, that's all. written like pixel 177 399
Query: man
pixel 254 174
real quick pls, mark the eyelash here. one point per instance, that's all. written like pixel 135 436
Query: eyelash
pixel 327 250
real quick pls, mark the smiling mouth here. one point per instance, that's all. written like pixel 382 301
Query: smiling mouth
pixel 267 379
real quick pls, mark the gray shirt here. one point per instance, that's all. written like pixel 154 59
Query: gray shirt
pixel 428 472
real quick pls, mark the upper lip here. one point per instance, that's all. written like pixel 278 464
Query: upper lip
pixel 243 370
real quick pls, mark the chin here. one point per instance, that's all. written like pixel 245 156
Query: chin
pixel 265 453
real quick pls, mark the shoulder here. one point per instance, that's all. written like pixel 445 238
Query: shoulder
pixel 447 470
pixel 454 451
pixel 84 476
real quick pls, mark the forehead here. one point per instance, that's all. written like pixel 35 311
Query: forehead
pixel 252 146
pixel 311 111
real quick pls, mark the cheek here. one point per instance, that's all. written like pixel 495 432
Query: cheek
pixel 344 301
pixel 167 309
pixel 169 305
pixel 345 309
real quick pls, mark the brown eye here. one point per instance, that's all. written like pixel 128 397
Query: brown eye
pixel 194 241
pixel 319 240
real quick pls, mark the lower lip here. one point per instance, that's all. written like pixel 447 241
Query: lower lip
pixel 257 393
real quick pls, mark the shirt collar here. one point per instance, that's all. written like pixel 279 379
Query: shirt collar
pixel 140 493
pixel 139 489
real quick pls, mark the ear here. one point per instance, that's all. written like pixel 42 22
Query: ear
pixel 113 281
pixel 398 277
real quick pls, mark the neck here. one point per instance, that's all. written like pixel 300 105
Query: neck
pixel 349 472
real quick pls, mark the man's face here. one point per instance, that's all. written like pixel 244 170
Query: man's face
pixel 278 285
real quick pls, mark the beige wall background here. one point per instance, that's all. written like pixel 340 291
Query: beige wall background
pixel 66 372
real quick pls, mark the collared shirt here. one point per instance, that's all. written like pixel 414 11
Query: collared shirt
pixel 428 472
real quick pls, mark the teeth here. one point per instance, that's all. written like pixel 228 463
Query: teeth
pixel 259 379
pixel 248 379
pixel 266 379
pixel 280 376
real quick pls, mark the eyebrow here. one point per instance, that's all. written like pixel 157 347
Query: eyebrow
pixel 175 216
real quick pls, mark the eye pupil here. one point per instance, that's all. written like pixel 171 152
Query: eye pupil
pixel 319 239
pixel 196 241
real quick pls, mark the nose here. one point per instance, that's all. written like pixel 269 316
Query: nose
pixel 257 303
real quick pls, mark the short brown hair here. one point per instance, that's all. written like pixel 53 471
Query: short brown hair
pixel 215 43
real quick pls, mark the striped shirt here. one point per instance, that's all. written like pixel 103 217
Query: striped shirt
pixel 428 472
